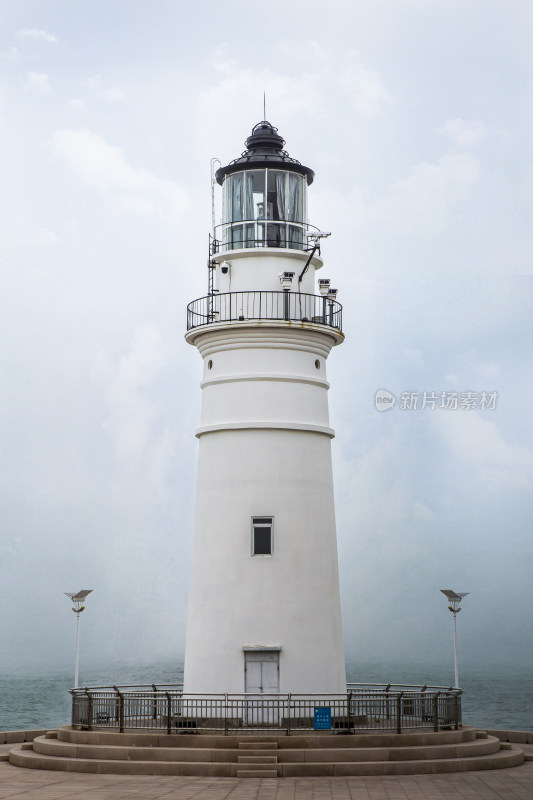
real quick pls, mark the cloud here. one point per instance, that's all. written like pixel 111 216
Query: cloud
pixel 37 82
pixel 296 93
pixel 109 95
pixel 127 189
pixel 365 90
pixel 37 35
pixel 46 238
pixel 130 410
pixel 463 132
pixel 143 448
pixel 13 54
pixel 478 445
pixel 422 202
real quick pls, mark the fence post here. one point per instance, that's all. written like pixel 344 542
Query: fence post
pixel 154 708
pixel 387 701
pixel 225 714
pixel 436 711
pixel 349 712
pixel 120 709
pixel 399 712
pixel 289 714
pixel 169 712
pixel 89 710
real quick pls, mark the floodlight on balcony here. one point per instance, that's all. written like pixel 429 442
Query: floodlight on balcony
pixel 323 286
pixel 286 280
pixel 314 237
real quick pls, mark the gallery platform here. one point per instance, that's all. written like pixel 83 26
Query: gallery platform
pixel 313 755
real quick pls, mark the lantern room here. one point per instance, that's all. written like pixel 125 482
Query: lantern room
pixel 264 196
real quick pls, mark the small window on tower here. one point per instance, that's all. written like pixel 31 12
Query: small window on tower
pixel 262 536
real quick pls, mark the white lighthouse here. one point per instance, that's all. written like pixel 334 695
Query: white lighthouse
pixel 264 607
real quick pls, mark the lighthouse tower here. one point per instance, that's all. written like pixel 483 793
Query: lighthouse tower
pixel 264 605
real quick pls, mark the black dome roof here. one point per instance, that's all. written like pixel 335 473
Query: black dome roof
pixel 264 149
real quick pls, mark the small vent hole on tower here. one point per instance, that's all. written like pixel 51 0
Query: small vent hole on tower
pixel 209 364
pixel 317 364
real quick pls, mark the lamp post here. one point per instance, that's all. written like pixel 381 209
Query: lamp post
pixel 454 599
pixel 78 598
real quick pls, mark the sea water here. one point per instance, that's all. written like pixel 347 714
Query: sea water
pixel 494 696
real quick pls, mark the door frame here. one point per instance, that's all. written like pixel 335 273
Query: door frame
pixel 256 713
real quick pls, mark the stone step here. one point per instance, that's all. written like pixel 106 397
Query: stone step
pixel 257 773
pixel 431 752
pixel 434 766
pixel 499 760
pixel 115 753
pixel 51 734
pixel 481 734
pixel 4 756
pixel 26 746
pixel 161 739
pixel 63 749
pixel 258 745
pixel 265 737
pixel 257 760
pixel 32 760
pixel 148 739
pixel 15 737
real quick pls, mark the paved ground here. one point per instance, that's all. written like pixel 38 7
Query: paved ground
pixel 30 784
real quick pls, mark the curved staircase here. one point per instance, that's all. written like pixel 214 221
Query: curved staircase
pixel 312 755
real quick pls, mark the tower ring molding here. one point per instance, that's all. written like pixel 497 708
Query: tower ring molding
pixel 282 336
pixel 262 426
pixel 265 376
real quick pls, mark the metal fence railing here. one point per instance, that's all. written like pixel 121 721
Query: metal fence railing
pixel 262 305
pixel 252 233
pixel 362 708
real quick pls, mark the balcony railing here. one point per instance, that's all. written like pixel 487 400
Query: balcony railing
pixel 362 708
pixel 251 306
pixel 262 233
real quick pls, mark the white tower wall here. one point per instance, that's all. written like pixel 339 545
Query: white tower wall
pixel 265 450
pixel 258 270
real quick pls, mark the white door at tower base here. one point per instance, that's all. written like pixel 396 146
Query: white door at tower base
pixel 261 677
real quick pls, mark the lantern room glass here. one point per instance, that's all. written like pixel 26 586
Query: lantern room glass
pixel 264 208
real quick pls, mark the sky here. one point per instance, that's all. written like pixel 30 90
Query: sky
pixel 416 118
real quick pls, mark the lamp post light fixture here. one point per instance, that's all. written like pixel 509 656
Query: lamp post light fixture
pixel 454 599
pixel 78 599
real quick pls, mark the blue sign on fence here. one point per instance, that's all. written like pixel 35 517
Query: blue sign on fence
pixel 322 719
